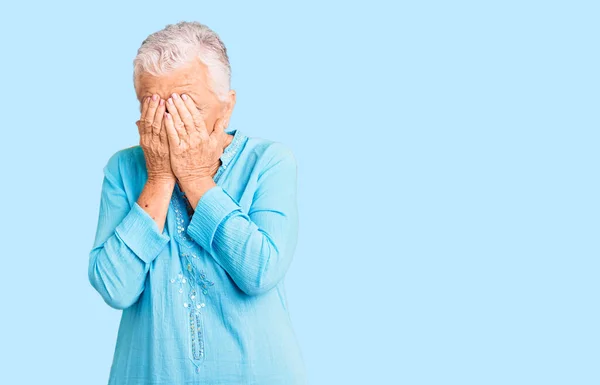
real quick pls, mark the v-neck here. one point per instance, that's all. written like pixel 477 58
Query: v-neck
pixel 231 149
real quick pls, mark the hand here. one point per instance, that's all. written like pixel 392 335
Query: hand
pixel 153 139
pixel 194 153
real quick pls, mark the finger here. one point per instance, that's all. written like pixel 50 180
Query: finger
pixel 177 122
pixel 141 123
pixel 184 114
pixel 162 136
pixel 196 115
pixel 150 111
pixel 158 117
pixel 143 106
pixel 172 134
pixel 152 103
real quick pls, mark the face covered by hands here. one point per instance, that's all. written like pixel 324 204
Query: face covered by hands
pixel 192 119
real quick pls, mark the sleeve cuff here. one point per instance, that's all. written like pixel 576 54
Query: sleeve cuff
pixel 212 209
pixel 140 233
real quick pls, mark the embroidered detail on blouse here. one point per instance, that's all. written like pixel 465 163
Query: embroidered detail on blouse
pixel 196 278
pixel 197 344
pixel 180 280
pixel 189 250
pixel 194 305
pixel 229 152
pixel 181 225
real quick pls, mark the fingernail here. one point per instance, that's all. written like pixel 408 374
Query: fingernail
pixel 170 100
pixel 184 97
pixel 168 115
pixel 174 96
pixel 162 102
pixel 154 97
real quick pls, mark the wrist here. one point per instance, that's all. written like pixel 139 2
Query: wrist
pixel 162 180
pixel 194 179
pixel 195 188
pixel 200 184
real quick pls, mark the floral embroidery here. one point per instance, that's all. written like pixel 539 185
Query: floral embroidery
pixel 194 305
pixel 181 280
pixel 196 277
pixel 203 282
pixel 181 224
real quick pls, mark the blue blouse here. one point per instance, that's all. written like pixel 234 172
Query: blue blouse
pixel 204 301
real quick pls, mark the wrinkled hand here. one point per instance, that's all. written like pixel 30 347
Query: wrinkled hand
pixel 153 139
pixel 194 153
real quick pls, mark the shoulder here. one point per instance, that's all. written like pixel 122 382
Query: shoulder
pixel 269 152
pixel 123 162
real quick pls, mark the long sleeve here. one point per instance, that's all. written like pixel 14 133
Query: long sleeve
pixel 255 248
pixel 127 241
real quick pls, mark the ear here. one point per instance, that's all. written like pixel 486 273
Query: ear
pixel 227 107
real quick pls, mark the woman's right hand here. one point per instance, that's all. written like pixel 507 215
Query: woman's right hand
pixel 153 139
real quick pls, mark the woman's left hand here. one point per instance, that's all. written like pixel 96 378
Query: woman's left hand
pixel 194 153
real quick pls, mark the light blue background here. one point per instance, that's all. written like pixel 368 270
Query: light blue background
pixel 448 180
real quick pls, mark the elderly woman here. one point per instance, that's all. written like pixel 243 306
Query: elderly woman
pixel 197 228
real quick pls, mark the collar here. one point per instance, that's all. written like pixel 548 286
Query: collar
pixel 232 148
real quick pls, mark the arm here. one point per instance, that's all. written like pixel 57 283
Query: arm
pixel 127 238
pixel 255 248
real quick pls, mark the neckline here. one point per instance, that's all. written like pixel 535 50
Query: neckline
pixel 231 148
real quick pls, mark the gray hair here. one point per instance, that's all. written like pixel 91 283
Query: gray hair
pixel 178 44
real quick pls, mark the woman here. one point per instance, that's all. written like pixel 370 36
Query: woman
pixel 197 228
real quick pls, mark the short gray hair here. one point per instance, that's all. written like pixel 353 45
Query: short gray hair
pixel 178 44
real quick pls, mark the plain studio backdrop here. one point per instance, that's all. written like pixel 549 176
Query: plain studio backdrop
pixel 448 180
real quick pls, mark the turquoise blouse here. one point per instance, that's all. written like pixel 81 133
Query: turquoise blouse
pixel 204 301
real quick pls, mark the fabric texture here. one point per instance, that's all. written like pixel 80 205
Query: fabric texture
pixel 204 301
